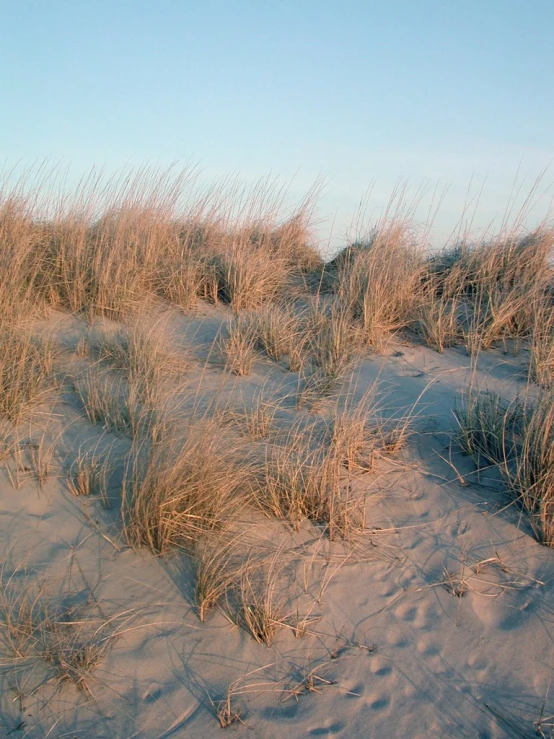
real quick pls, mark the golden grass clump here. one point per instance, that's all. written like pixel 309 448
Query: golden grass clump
pixel 486 426
pixel 531 476
pixel 517 437
pixel 541 366
pixel 89 474
pixel 236 345
pixel 25 365
pixel 437 318
pixel 358 431
pixel 138 351
pixel 301 479
pixel 182 482
pixel 501 284
pixel 379 282
pixel 107 400
pixel 56 634
pixel 254 419
pixel 282 331
pixel 261 599
pixel 129 379
pixel 246 278
pixel 20 268
pixel 146 233
pixel 217 561
pixel 334 343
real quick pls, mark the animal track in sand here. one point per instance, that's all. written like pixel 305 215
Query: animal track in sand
pixel 405 612
pixel 428 647
pixel 418 616
pixel 378 704
pixel 152 693
pixel 500 613
pixel 332 728
pixel 287 711
pixel 397 640
pixel 477 662
pixel 380 667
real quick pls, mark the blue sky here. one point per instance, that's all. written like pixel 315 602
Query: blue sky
pixel 444 92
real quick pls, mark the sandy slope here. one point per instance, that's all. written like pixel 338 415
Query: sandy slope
pixel 396 652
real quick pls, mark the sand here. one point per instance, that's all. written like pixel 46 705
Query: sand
pixel 437 622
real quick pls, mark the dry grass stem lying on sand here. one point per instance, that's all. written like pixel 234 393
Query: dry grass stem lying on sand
pixel 225 709
pixel 312 682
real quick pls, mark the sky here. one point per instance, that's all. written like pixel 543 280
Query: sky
pixel 452 96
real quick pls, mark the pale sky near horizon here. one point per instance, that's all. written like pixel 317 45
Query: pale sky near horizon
pixel 442 92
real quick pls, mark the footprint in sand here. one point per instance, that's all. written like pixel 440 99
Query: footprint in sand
pixel 406 612
pixel 378 704
pixel 428 648
pixel 152 693
pixel 504 612
pixel 333 728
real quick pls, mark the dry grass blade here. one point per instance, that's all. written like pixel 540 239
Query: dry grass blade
pixel 225 712
pixel 312 682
